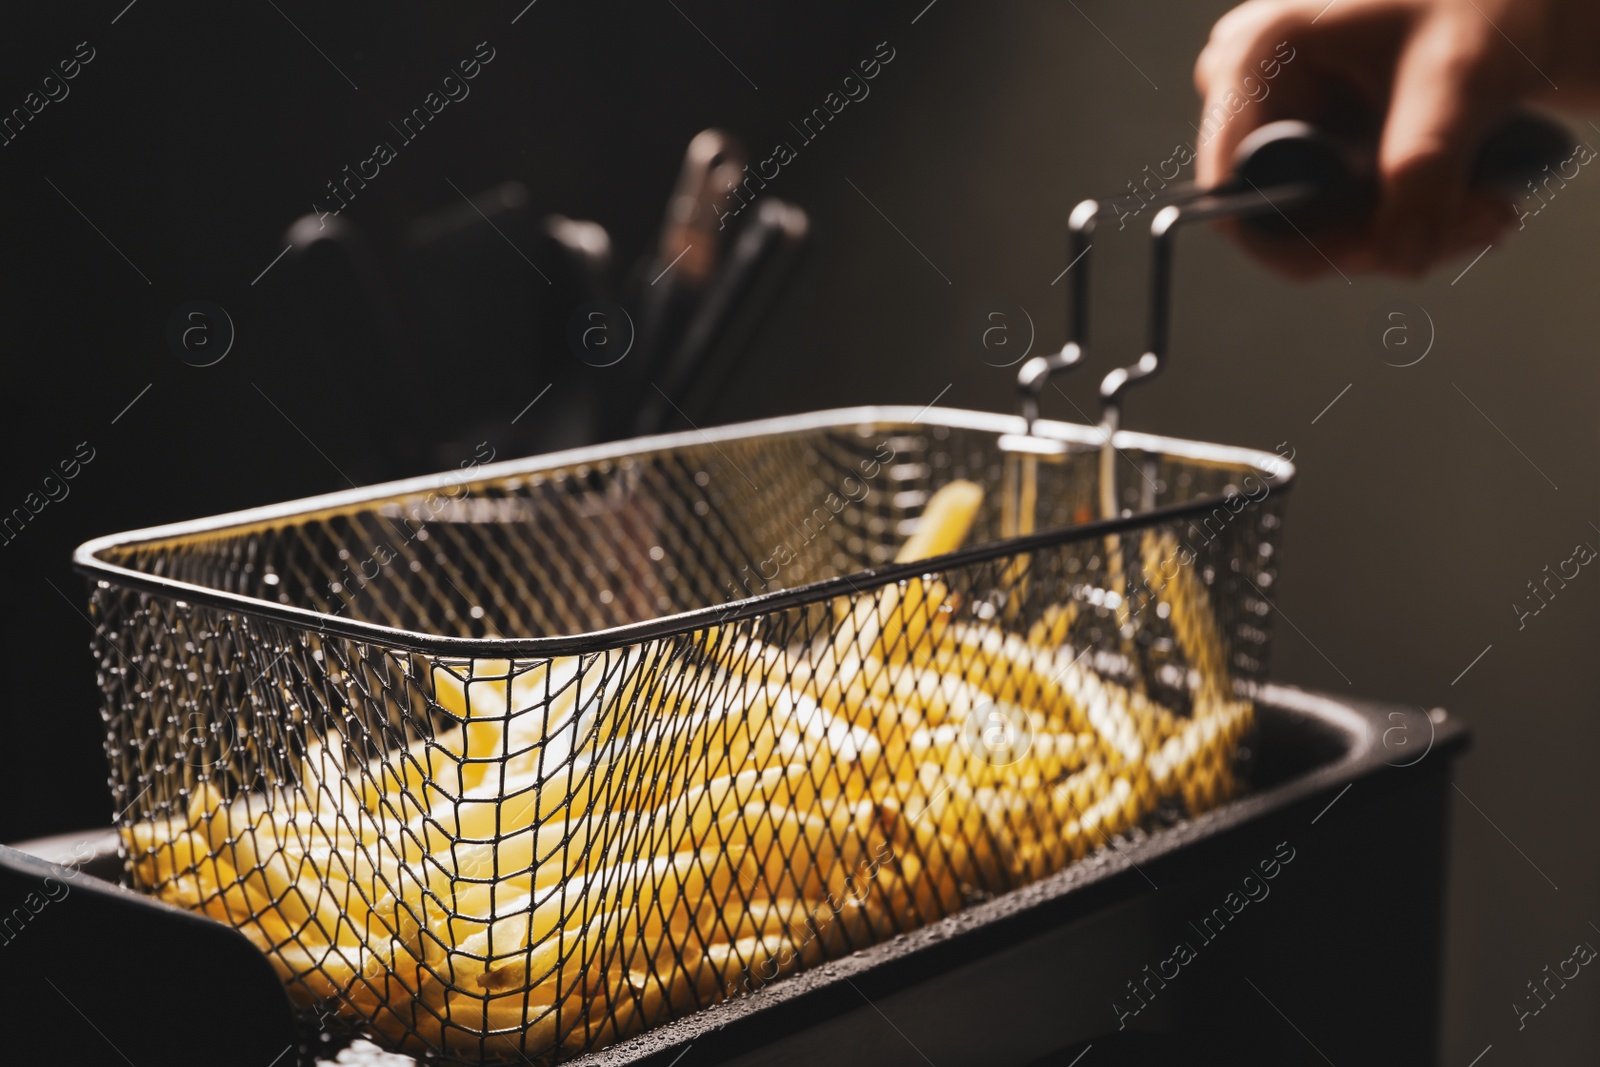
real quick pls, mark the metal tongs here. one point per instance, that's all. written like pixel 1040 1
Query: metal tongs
pixel 1289 179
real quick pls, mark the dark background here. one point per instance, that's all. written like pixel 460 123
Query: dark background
pixel 1429 495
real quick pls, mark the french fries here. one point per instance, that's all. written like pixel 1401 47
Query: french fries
pixel 600 844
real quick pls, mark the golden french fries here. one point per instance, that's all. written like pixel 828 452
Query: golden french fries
pixel 585 855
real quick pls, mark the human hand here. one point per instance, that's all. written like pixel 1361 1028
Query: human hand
pixel 1437 74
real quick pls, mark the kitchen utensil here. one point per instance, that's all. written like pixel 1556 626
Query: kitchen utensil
pixel 358 343
pixel 278 658
pixel 586 251
pixel 746 285
pixel 688 250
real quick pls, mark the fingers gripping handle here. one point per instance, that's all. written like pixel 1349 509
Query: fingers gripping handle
pixel 1290 177
pixel 1343 172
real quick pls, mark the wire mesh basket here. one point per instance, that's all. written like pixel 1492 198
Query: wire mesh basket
pixel 519 761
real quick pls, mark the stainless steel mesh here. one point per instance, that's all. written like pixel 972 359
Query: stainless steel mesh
pixel 523 761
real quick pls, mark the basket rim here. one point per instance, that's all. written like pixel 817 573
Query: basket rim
pixel 87 557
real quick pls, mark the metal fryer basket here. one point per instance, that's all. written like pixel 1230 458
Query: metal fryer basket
pixel 444 749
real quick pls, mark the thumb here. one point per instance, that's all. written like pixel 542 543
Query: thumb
pixel 1443 101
